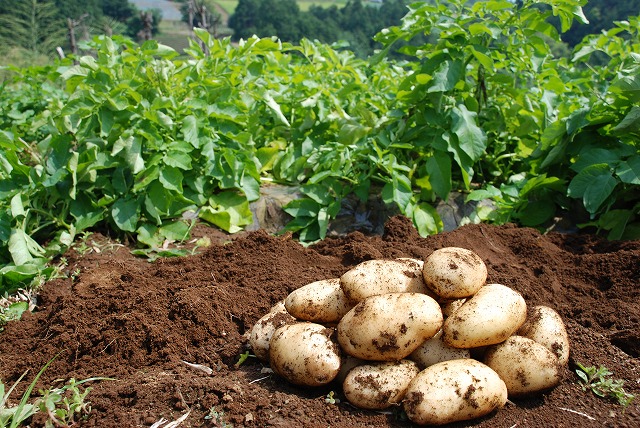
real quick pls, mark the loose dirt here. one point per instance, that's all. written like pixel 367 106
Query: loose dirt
pixel 140 323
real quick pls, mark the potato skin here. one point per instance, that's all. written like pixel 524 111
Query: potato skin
pixel 389 327
pixel 434 351
pixel 493 314
pixel 524 365
pixel 454 273
pixel 455 390
pixel 545 326
pixel 376 386
pixel 304 354
pixel 264 328
pixel 375 277
pixel 320 301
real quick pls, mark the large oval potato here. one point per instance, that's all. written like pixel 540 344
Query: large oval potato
pixel 389 327
pixel 454 273
pixel 545 326
pixel 435 351
pixel 376 386
pixel 524 365
pixel 455 390
pixel 263 329
pixel 493 314
pixel 320 301
pixel 375 277
pixel 304 354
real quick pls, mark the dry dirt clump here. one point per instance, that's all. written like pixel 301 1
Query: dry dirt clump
pixel 122 317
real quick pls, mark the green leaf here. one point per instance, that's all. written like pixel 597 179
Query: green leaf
pixel 14 312
pixel 439 170
pixel 427 220
pixel 23 248
pixel 228 210
pixel 629 170
pixel 397 191
pixel 171 178
pixel 126 214
pixel 535 213
pixel 630 123
pixel 190 130
pixel 471 138
pixel 447 76
pixel 275 107
pixel 132 149
pixel 594 184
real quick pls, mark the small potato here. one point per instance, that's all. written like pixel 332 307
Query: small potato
pixel 455 390
pixel 389 327
pixel 545 326
pixel 525 366
pixel 493 314
pixel 435 351
pixel 376 386
pixel 263 329
pixel 453 272
pixel 375 277
pixel 304 354
pixel 320 301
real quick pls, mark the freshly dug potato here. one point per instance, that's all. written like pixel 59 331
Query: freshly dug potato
pixel 450 306
pixel 524 365
pixel 320 301
pixel 263 329
pixel 545 326
pixel 455 390
pixel 304 354
pixel 493 314
pixel 435 351
pixel 389 327
pixel 374 277
pixel 453 272
pixel 377 386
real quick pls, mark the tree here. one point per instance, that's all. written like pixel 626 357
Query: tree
pixel 33 25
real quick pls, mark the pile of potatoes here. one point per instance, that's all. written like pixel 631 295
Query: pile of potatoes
pixel 431 336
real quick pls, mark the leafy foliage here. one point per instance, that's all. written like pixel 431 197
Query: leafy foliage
pixel 599 382
pixel 143 141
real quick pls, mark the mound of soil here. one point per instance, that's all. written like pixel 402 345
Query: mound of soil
pixel 140 323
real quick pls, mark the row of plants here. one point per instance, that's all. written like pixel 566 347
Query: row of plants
pixel 143 141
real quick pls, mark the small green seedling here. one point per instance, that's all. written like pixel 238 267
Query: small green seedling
pixel 331 398
pixel 598 381
pixel 243 357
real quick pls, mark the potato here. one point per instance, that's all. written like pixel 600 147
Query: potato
pixel 493 314
pixel 304 354
pixel 320 301
pixel 348 363
pixel 374 277
pixel 450 306
pixel 376 386
pixel 545 326
pixel 455 390
pixel 389 327
pixel 524 365
pixel 263 329
pixel 453 272
pixel 435 351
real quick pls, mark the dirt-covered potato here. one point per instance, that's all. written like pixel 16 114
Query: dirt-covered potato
pixel 320 301
pixel 493 314
pixel 453 272
pixel 450 306
pixel 263 329
pixel 304 354
pixel 389 327
pixel 377 386
pixel 435 351
pixel 545 326
pixel 455 390
pixel 524 365
pixel 374 277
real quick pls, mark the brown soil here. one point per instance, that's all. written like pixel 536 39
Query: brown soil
pixel 138 322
